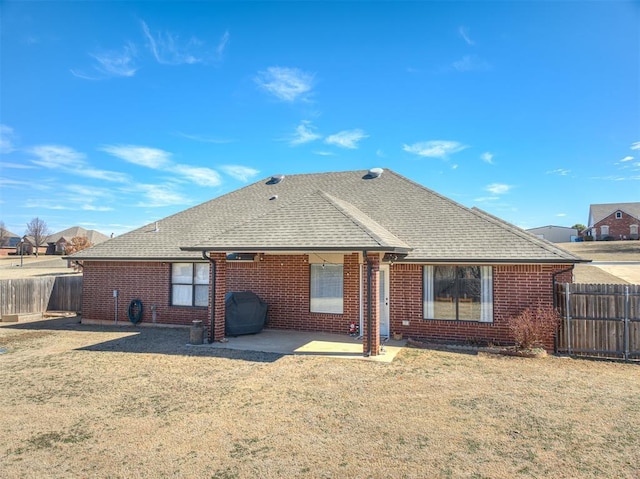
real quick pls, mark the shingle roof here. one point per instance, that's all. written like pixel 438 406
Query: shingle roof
pixel 598 212
pixel 93 236
pixel 341 210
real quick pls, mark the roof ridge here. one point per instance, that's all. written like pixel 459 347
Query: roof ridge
pixel 336 203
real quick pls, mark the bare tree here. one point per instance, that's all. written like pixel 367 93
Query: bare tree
pixel 39 231
pixel 4 234
pixel 77 243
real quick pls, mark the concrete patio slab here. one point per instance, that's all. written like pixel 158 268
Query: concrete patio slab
pixel 308 343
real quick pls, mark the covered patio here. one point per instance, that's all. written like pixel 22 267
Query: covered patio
pixel 308 343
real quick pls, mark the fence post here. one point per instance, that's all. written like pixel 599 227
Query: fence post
pixel 567 315
pixel 627 311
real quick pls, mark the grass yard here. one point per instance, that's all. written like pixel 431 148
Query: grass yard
pixel 82 401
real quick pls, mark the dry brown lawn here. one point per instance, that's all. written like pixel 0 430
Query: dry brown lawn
pixel 605 250
pixel 82 401
pixel 602 251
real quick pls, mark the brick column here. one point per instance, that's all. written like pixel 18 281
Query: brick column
pixel 374 262
pixel 219 285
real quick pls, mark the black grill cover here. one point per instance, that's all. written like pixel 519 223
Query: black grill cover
pixel 245 313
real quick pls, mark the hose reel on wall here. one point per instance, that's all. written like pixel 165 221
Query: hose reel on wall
pixel 135 311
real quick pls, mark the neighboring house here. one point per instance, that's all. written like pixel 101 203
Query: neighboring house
pixel 9 243
pixel 555 234
pixel 324 250
pixel 56 243
pixel 614 221
pixel 28 246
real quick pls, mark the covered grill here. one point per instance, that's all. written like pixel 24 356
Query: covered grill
pixel 245 313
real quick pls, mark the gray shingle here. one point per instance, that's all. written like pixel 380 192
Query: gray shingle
pixel 340 210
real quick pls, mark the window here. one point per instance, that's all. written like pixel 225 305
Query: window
pixel 326 288
pixel 190 284
pixel 633 230
pixel 463 293
pixel 604 230
pixel 618 215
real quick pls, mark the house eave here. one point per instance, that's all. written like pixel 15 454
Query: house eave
pixel 151 259
pixel 489 261
pixel 296 249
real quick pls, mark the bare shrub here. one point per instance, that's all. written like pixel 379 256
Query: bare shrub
pixel 532 326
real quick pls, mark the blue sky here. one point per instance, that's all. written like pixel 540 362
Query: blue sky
pixel 117 114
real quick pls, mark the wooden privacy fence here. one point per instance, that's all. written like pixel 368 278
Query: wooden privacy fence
pixel 601 320
pixel 37 295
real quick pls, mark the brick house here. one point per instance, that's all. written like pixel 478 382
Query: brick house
pixel 57 242
pixel 614 221
pixel 324 250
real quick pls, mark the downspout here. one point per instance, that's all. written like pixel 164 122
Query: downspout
pixel 555 302
pixel 212 318
pixel 369 310
pixel 553 282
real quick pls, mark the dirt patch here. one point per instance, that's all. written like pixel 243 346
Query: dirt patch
pixel 98 401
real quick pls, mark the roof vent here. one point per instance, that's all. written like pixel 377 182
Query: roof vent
pixel 373 173
pixel 275 179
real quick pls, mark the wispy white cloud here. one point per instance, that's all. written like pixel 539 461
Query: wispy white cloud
pixel 635 145
pixel 157 159
pixel 324 153
pixel 239 172
pixel 484 199
pixel 498 188
pixel 626 158
pixel 617 178
pixel 153 158
pixel 470 63
pixel 286 84
pixel 222 44
pixel 464 33
pixel 156 196
pixel 7 139
pixel 19 184
pixel 380 153
pixel 71 161
pixel 487 157
pixel 204 138
pixel 89 207
pixel 305 133
pixel 168 49
pixel 46 204
pixel 347 138
pixel 111 64
pixel 198 175
pixel 559 172
pixel 435 148
pixel 17 166
pixel 561 215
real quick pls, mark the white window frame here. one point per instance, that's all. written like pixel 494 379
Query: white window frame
pixel 618 215
pixel 486 294
pixel 604 231
pixel 190 289
pixel 326 288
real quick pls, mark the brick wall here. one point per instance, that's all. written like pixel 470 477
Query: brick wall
pixel 146 281
pixel 619 228
pixel 514 289
pixel 283 282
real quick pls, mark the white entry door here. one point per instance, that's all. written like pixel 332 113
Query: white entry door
pixel 384 300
